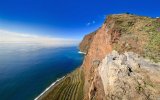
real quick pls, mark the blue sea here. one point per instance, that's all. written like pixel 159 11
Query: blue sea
pixel 26 70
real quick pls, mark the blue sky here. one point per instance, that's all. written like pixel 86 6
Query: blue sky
pixel 67 18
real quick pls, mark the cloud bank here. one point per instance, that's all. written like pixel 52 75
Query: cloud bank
pixel 13 37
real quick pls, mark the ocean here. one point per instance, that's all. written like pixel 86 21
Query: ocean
pixel 26 70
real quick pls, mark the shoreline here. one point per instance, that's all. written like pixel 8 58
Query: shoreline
pixel 53 84
pixel 82 52
pixel 48 88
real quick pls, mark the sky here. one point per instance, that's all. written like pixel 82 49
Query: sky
pixel 66 19
pixel 14 37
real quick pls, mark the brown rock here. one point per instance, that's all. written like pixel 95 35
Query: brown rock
pixel 85 44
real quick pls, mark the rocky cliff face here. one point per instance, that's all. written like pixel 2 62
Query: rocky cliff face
pixel 87 40
pixel 123 33
pixel 129 77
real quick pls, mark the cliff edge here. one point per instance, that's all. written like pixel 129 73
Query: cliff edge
pixel 85 44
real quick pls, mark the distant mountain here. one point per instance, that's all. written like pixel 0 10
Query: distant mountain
pixel 121 63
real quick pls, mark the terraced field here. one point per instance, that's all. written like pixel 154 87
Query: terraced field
pixel 70 88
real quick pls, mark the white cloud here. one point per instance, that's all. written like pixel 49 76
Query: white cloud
pixel 90 23
pixel 13 37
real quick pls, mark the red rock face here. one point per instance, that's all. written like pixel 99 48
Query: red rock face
pixel 99 47
pixel 86 42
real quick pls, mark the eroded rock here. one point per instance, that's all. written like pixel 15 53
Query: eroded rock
pixel 129 77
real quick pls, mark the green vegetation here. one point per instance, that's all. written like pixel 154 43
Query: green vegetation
pixel 70 88
pixel 153 46
pixel 137 34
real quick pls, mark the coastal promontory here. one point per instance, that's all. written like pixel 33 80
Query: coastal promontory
pixel 122 62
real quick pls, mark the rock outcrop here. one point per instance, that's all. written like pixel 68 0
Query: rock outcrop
pixel 129 77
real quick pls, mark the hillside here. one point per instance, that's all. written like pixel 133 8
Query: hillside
pixel 121 62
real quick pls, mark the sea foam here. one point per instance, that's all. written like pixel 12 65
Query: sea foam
pixel 82 52
pixel 48 88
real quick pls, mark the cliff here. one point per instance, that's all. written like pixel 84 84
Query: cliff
pixel 123 33
pixel 121 62
pixel 87 40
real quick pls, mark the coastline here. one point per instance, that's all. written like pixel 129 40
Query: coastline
pixel 49 88
pixel 55 83
pixel 82 52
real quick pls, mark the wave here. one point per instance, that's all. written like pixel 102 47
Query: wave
pixel 48 88
pixel 81 52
